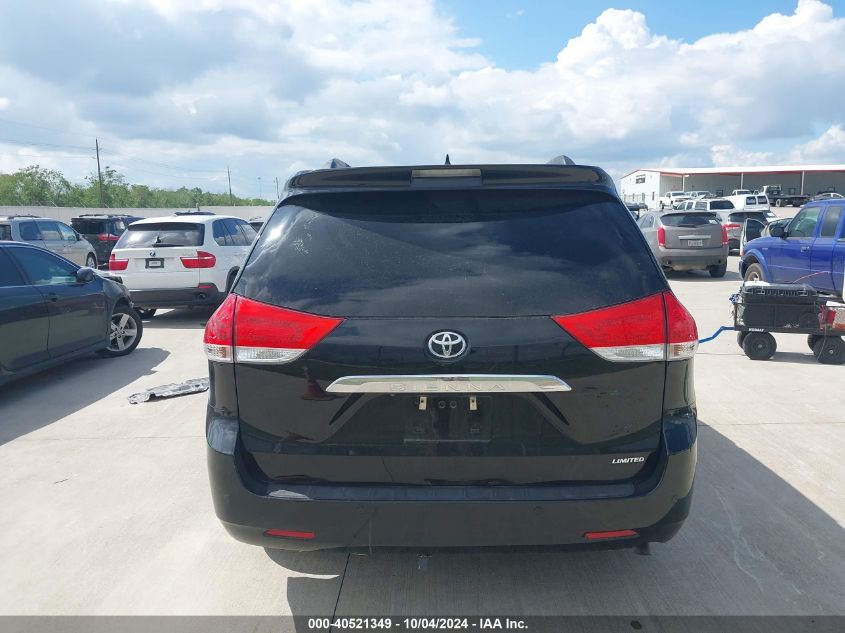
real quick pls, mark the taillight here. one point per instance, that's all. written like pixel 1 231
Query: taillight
pixel 681 331
pixel 247 331
pixel 107 237
pixel 202 260
pixel 117 264
pixel 731 226
pixel 657 327
pixel 724 235
pixel 661 236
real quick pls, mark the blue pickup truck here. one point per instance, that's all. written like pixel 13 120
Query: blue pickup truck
pixel 809 249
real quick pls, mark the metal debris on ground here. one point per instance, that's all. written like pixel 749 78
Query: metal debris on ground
pixel 195 385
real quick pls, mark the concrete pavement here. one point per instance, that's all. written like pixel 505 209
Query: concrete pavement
pixel 106 509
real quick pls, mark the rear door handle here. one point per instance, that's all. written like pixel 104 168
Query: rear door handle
pixel 805 249
pixel 52 296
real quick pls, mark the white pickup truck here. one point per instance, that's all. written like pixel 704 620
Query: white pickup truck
pixel 669 199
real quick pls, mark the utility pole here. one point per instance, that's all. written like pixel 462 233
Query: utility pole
pixel 277 187
pixel 259 187
pixel 99 173
pixel 229 176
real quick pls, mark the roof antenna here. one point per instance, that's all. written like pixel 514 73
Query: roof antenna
pixel 448 162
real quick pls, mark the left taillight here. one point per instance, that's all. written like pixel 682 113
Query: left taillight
pixel 247 331
pixel 117 264
pixel 202 260
pixel 657 327
pixel 724 235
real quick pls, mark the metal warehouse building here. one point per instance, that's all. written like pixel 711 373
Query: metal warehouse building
pixel 647 185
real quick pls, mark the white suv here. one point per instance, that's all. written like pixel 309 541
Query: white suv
pixel 181 260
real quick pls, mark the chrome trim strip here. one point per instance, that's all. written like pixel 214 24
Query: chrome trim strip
pixel 448 383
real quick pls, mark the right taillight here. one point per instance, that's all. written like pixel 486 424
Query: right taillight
pixel 657 327
pixel 661 236
pixel 117 264
pixel 247 331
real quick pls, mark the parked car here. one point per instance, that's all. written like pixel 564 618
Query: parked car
pixel 181 261
pixel 103 231
pixel 57 237
pixel 51 311
pixel 699 194
pixel 635 209
pixel 752 229
pixel 827 195
pixel 732 219
pixel 810 249
pixel 687 240
pixel 412 356
pixel 741 192
pixel 669 199
pixel 256 223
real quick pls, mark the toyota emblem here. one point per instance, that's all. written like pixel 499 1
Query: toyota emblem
pixel 447 345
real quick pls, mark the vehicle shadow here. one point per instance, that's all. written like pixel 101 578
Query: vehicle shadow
pixel 702 275
pixel 753 545
pixel 185 319
pixel 72 386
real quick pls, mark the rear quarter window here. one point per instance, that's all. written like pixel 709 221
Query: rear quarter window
pixel 5 232
pixel 450 253
pixel 162 235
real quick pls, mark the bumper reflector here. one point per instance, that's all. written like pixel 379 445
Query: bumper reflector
pixel 302 536
pixel 598 536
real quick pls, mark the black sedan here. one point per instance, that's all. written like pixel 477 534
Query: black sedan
pixel 51 311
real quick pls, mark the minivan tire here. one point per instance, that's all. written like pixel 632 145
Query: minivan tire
pixel 91 261
pixel 719 270
pixel 125 329
pixel 754 273
pixel 759 345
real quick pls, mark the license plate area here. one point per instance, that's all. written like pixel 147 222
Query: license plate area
pixel 155 262
pixel 694 243
pixel 434 419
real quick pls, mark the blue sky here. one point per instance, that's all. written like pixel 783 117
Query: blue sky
pixel 522 34
pixel 177 90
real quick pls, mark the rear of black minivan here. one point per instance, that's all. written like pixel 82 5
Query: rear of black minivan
pixel 451 361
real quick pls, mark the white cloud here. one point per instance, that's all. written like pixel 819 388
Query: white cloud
pixel 829 148
pixel 270 87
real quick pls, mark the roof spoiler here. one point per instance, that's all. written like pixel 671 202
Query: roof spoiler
pixel 561 159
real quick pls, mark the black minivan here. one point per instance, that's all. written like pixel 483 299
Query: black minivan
pixel 451 356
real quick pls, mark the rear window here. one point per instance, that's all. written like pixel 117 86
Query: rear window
pixel 5 232
pixel 689 219
pixel 90 227
pixel 762 200
pixel 721 205
pixel 746 215
pixel 450 253
pixel 161 235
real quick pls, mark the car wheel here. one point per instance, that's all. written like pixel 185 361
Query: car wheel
pixel 811 340
pixel 754 273
pixel 91 261
pixel 230 280
pixel 830 350
pixel 718 271
pixel 146 313
pixel 759 345
pixel 778 203
pixel 125 329
pixel 740 338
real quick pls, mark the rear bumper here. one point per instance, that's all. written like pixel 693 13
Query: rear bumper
pixel 692 258
pixel 207 295
pixel 449 516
